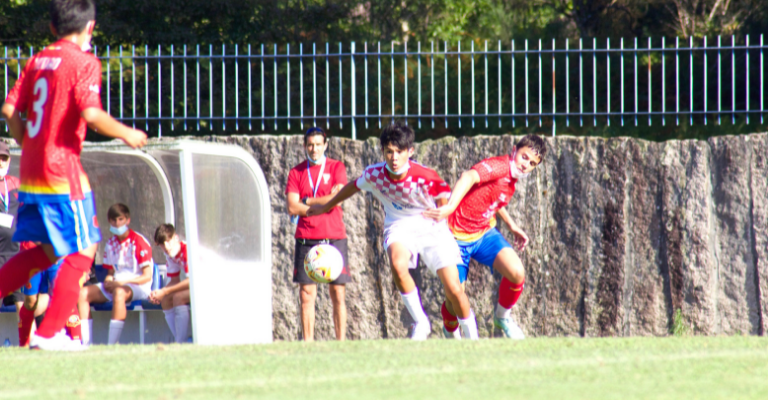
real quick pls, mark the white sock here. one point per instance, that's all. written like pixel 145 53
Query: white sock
pixel 115 329
pixel 502 312
pixel 413 304
pixel 86 331
pixel 182 323
pixel 469 326
pixel 170 318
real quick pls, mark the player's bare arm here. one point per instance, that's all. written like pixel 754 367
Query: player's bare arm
pixel 105 125
pixel 14 122
pixel 466 181
pixel 297 207
pixel 521 239
pixel 346 192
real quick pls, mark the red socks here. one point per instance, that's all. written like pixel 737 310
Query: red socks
pixel 73 325
pixel 26 317
pixel 20 268
pixel 450 321
pixel 66 292
pixel 509 292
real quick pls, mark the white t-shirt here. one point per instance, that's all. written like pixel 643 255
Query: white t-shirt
pixel 129 257
pixel 406 199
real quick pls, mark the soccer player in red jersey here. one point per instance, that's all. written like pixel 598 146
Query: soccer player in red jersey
pixel 405 190
pixel 174 297
pixel 59 92
pixel 480 194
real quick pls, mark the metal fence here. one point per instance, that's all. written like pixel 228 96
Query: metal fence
pixel 477 85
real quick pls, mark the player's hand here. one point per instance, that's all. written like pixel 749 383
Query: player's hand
pixel 156 296
pixel 135 138
pixel 316 210
pixel 521 239
pixel 438 214
pixel 109 285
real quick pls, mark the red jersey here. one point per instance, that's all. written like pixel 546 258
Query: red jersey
pixel 476 214
pixel 326 226
pixel 176 264
pixel 56 86
pixel 128 257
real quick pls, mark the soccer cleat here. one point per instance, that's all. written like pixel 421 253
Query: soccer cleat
pixel 59 342
pixel 420 330
pixel 452 335
pixel 509 327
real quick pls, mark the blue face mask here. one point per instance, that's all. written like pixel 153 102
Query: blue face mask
pixel 320 161
pixel 401 171
pixel 118 231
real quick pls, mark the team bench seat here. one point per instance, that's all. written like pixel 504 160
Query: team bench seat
pixel 136 305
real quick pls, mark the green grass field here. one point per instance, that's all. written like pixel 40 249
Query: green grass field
pixel 637 368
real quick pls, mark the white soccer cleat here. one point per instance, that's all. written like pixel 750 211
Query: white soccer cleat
pixel 452 335
pixel 509 327
pixel 59 342
pixel 420 330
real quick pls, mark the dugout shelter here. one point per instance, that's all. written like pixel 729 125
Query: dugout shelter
pixel 217 198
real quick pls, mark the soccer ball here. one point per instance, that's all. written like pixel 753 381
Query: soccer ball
pixel 323 263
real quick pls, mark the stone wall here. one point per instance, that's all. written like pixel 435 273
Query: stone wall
pixel 624 233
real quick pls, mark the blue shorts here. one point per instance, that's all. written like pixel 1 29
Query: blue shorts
pixel 483 250
pixel 42 282
pixel 69 226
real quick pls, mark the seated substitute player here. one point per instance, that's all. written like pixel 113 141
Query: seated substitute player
pixel 128 261
pixel 58 90
pixel 406 189
pixel 316 181
pixel 174 297
pixel 481 193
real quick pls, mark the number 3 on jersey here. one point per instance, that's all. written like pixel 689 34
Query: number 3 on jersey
pixel 41 91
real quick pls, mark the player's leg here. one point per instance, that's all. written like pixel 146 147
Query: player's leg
pixel 496 251
pixel 308 294
pixel 400 259
pixel 337 290
pixel 181 315
pixel 339 310
pixel 27 317
pixel 450 321
pixel 441 254
pixel 94 294
pixel 121 296
pixel 170 314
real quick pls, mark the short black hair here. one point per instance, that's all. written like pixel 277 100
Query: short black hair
pixel 118 210
pixel 164 233
pixel 534 143
pixel 397 134
pixel 71 16
pixel 314 131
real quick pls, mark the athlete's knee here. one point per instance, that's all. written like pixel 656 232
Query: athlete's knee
pixel 180 299
pixel 120 294
pixel 453 290
pixel 308 293
pixel 337 294
pixel 30 302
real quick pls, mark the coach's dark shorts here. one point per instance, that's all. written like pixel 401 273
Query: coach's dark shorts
pixel 301 250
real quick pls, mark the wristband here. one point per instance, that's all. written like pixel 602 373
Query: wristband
pixel 304 200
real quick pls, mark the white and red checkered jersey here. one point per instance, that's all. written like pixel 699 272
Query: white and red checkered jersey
pixel 476 214
pixel 407 198
pixel 128 257
pixel 175 264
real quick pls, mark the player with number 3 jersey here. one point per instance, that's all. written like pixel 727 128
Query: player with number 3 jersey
pixel 59 91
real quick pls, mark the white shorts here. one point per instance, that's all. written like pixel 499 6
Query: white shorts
pixel 434 243
pixel 140 292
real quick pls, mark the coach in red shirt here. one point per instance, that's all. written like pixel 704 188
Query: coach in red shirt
pixel 315 181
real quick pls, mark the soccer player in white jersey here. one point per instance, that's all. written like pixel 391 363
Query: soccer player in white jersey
pixel 406 189
pixel 174 297
pixel 128 261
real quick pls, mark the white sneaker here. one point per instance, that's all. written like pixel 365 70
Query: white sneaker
pixel 59 342
pixel 452 335
pixel 420 330
pixel 509 327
